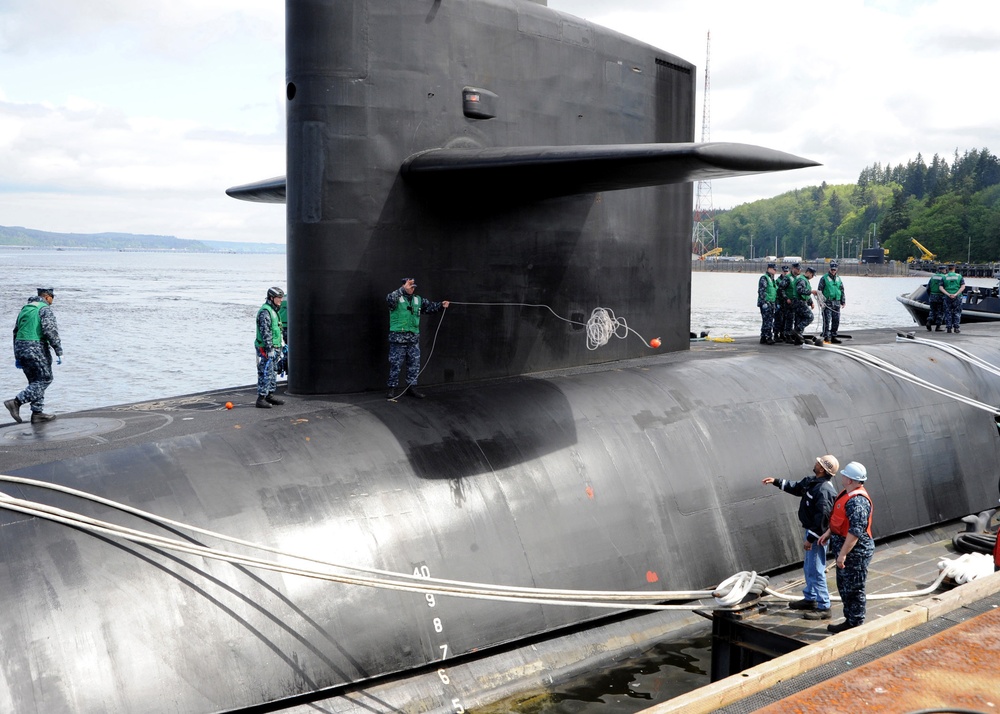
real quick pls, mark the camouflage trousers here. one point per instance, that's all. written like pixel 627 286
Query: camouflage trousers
pixel 952 311
pixel 38 370
pixel 831 320
pixel 267 373
pixel 767 320
pixel 803 316
pixel 779 318
pixel 400 352
pixel 851 579
pixel 936 316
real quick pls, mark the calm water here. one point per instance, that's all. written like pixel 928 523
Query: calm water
pixel 141 326
pixel 726 303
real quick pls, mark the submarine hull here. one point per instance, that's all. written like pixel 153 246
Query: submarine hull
pixel 645 476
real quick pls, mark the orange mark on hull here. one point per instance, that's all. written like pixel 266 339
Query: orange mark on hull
pixel 590 493
pixel 652 577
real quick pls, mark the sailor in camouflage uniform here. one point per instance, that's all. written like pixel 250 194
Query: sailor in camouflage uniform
pixel 850 537
pixel 935 299
pixel 268 348
pixel 832 298
pixel 35 337
pixel 952 285
pixel 405 310
pixel 767 293
pixel 780 311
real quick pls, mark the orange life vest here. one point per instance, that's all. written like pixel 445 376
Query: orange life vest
pixel 839 522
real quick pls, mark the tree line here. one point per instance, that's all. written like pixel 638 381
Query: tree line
pixel 951 209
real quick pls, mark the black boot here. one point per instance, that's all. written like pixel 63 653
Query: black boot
pixel 393 393
pixel 14 407
pixel 262 402
pixel 836 340
pixel 271 399
pixel 41 417
pixel 928 327
pixel 840 627
pixel 938 328
pixel 411 391
pixel 957 330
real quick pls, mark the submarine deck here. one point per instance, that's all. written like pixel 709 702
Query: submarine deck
pixel 92 431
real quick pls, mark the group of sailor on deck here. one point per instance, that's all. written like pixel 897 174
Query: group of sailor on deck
pixel 786 303
pixel 944 293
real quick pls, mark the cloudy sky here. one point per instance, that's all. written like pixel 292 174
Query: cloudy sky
pixel 134 116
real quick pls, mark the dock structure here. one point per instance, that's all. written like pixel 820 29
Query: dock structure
pixel 939 650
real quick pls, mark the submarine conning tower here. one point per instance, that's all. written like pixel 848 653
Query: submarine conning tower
pixel 483 148
pixel 372 82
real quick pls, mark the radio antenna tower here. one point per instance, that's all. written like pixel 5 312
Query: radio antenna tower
pixel 703 238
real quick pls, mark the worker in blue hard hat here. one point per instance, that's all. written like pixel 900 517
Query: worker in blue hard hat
pixel 850 537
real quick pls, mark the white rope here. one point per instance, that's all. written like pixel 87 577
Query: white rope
pixel 880 364
pixel 967 567
pixel 729 593
pixel 601 327
pixel 954 350
pixel 389 580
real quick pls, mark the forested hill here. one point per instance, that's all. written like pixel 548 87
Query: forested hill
pixel 953 210
pixel 16 236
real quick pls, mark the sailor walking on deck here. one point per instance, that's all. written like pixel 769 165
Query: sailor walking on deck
pixel 405 309
pixel 767 296
pixel 818 494
pixel 36 335
pixel 850 537
pixel 832 289
pixel 268 348
pixel 953 286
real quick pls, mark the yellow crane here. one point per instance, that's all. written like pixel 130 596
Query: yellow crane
pixel 924 253
pixel 709 254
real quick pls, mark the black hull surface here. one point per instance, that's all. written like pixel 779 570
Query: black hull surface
pixel 638 477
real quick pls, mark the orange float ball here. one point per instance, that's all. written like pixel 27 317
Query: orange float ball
pixel 655 342
pixel 229 405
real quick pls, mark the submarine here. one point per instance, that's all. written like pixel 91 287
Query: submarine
pixel 511 158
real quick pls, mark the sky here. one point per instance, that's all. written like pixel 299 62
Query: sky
pixel 126 116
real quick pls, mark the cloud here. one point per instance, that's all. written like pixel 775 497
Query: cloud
pixel 136 117
pixel 848 84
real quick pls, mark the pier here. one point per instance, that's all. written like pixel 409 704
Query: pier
pixel 946 643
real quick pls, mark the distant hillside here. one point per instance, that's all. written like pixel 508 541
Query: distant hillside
pixel 28 237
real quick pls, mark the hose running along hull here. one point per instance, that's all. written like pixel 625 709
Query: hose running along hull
pixel 642 477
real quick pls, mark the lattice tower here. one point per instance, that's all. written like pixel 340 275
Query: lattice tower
pixel 703 237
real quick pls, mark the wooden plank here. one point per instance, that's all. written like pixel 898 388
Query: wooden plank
pixel 739 686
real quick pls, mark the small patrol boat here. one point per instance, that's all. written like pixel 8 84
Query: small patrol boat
pixel 979 304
